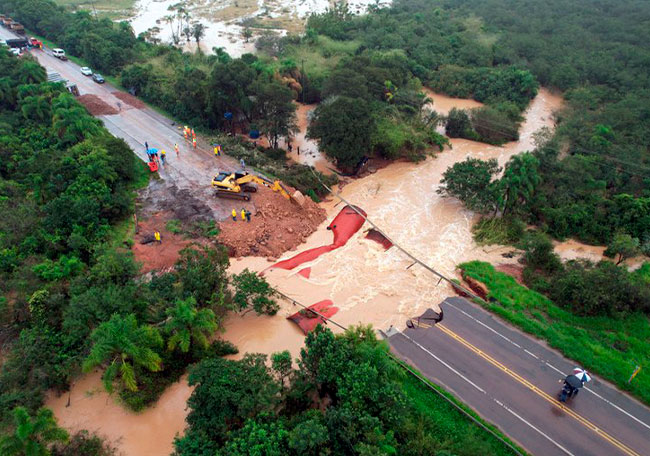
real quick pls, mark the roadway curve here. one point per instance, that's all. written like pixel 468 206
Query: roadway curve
pixel 512 380
pixel 195 168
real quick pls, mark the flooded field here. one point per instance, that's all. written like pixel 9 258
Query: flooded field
pixel 367 283
pixel 225 20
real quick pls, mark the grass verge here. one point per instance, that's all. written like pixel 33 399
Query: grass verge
pixel 461 435
pixel 610 347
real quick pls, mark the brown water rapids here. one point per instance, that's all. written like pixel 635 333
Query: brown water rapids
pixel 367 283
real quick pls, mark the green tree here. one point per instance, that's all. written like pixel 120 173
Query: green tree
pixel 74 125
pixel 623 245
pixel 227 393
pixel 36 108
pixel 202 273
pixel 31 73
pixel 32 436
pixel 519 182
pixel 343 127
pixel 198 32
pixel 471 181
pixel 187 324
pixel 121 343
pixel 264 436
pixel 281 365
pixel 459 125
pixel 253 292
pixel 275 112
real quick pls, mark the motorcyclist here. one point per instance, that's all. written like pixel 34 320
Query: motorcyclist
pixel 573 382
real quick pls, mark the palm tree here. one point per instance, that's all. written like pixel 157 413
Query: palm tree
pixel 198 32
pixel 32 436
pixel 37 108
pixel 188 324
pixel 31 73
pixel 121 343
pixel 74 124
pixel 519 181
pixel 7 94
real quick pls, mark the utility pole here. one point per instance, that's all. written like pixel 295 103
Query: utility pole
pixel 302 80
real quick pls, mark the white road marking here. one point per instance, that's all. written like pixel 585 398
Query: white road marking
pixel 498 402
pixel 548 364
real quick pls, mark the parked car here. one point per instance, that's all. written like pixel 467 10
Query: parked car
pixel 86 71
pixel 98 78
pixel 15 51
pixel 59 54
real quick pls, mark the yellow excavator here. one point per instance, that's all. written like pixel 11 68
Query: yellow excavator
pixel 239 185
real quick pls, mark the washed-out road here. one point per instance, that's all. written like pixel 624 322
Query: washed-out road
pixel 512 380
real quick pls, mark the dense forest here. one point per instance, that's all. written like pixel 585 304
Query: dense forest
pixel 71 295
pixel 345 396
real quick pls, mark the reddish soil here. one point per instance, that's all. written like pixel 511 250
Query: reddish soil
pixel 513 270
pixel 276 225
pixel 130 100
pixel 154 256
pixel 96 106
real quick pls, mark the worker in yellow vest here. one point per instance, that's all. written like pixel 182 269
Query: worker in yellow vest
pixel 243 214
pixel 156 236
pixel 234 215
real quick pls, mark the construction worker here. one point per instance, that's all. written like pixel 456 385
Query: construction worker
pixel 163 156
pixel 243 214
pixel 234 215
pixel 194 142
pixel 248 216
pixel 193 134
pixel 156 236
pixel 178 154
pixel 217 150
pixel 185 131
pixel 146 146
pixel 242 163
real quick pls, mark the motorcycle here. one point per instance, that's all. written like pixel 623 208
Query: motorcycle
pixel 571 387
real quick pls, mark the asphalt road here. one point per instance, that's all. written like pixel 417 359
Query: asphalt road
pixel 512 380
pixel 193 170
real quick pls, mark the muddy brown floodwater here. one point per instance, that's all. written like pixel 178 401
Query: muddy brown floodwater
pixel 367 283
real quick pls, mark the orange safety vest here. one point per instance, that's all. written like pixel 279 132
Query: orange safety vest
pixel 194 142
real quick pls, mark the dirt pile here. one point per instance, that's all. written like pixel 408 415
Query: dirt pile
pixel 130 100
pixel 276 225
pixel 157 256
pixel 96 106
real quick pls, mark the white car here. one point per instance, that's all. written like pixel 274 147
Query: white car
pixel 15 51
pixel 86 71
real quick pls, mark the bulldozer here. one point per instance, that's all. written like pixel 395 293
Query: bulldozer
pixel 240 184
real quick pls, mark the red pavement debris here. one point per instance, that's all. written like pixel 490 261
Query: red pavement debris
pixel 376 236
pixel 306 272
pixel 130 100
pixel 309 320
pixel 96 106
pixel 344 226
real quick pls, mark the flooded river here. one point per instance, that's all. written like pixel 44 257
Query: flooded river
pixel 367 283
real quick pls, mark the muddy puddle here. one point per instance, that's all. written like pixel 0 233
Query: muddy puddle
pixel 369 284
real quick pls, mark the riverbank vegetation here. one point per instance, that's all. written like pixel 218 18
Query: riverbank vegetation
pixel 581 320
pixel 72 295
pixel 345 396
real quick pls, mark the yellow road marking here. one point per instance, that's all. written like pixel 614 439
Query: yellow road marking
pixel 588 424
